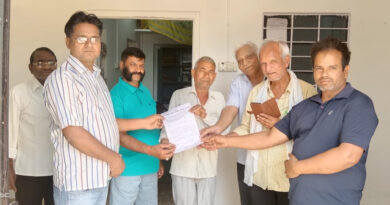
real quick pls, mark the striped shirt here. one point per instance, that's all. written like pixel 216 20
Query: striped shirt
pixel 76 96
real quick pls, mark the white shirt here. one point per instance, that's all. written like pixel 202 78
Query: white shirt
pixel 238 96
pixel 29 134
pixel 76 96
pixel 196 163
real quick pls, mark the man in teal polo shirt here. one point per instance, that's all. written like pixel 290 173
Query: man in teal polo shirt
pixel 140 148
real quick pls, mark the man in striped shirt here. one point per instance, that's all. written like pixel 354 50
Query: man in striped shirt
pixel 84 131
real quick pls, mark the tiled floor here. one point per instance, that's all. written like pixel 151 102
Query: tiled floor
pixel 165 191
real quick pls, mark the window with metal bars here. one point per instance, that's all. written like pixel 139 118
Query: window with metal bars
pixel 301 31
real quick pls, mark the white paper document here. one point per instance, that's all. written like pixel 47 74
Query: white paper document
pixel 181 128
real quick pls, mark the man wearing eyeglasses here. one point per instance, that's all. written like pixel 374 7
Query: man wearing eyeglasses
pixel 30 149
pixel 84 131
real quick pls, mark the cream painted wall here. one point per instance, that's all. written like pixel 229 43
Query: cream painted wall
pixel 219 25
pixel 116 33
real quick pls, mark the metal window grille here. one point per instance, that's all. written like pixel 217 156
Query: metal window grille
pixel 301 31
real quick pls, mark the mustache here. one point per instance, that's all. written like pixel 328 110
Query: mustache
pixel 135 73
pixel 325 78
pixel 129 75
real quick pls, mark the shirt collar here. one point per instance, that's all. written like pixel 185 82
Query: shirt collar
pixel 79 67
pixel 35 84
pixel 245 77
pixel 193 91
pixel 344 93
pixel 130 87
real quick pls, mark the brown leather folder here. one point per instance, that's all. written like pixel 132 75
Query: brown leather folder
pixel 268 107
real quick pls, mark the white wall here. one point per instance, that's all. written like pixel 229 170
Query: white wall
pixel 111 64
pixel 218 26
pixel 116 32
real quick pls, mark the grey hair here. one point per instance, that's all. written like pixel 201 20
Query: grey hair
pixel 282 45
pixel 204 58
pixel 250 44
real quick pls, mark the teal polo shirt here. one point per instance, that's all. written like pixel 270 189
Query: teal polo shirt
pixel 129 103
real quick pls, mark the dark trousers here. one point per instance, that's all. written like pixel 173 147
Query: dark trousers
pixel 31 190
pixel 242 187
pixel 259 196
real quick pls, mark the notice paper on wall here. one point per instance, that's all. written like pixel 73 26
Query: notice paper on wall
pixel 277 29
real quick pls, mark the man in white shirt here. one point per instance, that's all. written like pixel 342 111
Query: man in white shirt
pixel 30 148
pixel 194 171
pixel 242 84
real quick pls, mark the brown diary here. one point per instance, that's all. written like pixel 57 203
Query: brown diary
pixel 268 107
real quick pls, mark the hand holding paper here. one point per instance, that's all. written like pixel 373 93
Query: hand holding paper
pixel 199 110
pixel 181 128
pixel 154 122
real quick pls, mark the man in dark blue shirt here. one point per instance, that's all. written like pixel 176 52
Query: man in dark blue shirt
pixel 331 133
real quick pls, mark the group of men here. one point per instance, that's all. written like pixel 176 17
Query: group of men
pixel 98 137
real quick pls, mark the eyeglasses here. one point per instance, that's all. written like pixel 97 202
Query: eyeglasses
pixel 84 39
pixel 40 64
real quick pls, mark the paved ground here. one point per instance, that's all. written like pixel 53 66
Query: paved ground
pixel 165 187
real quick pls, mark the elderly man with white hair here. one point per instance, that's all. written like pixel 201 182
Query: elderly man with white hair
pixel 264 169
pixel 242 84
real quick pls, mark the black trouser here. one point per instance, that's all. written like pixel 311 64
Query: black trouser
pixel 259 196
pixel 242 187
pixel 31 190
